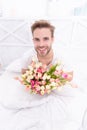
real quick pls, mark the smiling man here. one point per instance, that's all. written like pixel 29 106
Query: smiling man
pixel 43 39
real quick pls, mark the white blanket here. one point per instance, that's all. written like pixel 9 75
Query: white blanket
pixel 20 110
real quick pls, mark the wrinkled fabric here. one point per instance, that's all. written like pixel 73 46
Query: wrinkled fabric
pixel 20 110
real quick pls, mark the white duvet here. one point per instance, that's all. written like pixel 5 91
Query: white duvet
pixel 19 110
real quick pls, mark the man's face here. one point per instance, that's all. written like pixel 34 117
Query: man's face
pixel 42 41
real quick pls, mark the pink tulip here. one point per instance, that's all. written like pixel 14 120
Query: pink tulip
pixel 64 75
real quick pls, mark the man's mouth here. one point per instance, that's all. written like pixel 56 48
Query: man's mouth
pixel 42 49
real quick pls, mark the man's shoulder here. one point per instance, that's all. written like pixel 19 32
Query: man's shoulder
pixel 57 54
pixel 60 55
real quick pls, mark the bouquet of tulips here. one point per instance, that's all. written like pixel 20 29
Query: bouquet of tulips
pixel 39 79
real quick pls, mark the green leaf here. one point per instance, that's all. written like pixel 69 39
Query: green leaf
pixel 52 69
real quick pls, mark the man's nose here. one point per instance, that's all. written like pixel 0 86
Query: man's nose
pixel 41 43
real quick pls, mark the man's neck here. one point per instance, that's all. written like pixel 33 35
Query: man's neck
pixel 47 59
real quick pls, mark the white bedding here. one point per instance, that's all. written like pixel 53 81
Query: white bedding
pixel 20 110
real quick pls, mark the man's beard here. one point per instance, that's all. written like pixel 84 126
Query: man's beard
pixel 43 53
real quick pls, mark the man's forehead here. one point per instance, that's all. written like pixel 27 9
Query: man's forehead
pixel 41 30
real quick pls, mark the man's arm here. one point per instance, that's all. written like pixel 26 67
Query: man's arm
pixel 70 76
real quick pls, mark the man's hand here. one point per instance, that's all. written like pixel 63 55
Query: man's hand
pixel 70 76
pixel 23 71
pixel 74 85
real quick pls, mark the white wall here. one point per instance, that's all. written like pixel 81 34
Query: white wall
pixel 42 8
pixel 23 8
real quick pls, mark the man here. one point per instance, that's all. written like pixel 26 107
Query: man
pixel 43 38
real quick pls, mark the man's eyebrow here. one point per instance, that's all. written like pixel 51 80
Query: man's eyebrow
pixel 36 38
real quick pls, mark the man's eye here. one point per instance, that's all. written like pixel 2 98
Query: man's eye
pixel 46 38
